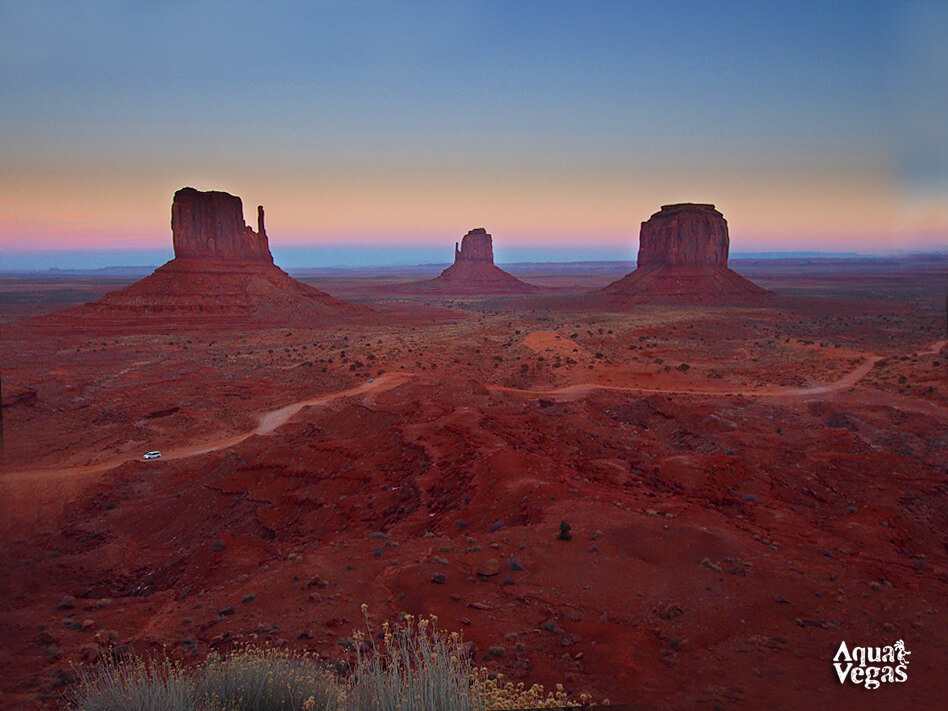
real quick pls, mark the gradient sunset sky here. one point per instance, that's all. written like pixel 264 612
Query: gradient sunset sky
pixel 380 132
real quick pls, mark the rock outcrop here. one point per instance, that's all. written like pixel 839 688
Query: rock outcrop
pixel 687 234
pixel 474 271
pixel 683 254
pixel 222 273
pixel 476 246
pixel 211 224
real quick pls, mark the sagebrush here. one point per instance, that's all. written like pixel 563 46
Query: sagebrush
pixel 410 666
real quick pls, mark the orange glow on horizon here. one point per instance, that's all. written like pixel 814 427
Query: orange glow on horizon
pixel 764 212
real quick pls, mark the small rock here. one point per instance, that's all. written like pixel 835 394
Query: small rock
pixel 438 578
pixel 706 562
pixel 87 624
pixel 515 564
pixel 105 637
pixel 63 677
pixel 570 639
pixel 489 567
pixel 378 534
pixel 250 597
pixel 219 545
pixel 226 612
pixel 495 526
pixel 750 497
pixel 89 652
pixel 67 603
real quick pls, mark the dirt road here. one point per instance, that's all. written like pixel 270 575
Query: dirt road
pixel 270 421
pixel 579 390
pixel 267 423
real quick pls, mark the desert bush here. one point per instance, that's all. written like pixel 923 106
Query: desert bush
pixel 415 668
pixel 265 679
pixel 412 667
pixel 129 683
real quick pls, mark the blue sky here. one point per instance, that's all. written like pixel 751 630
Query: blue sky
pixel 559 126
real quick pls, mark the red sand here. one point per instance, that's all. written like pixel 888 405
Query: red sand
pixel 746 487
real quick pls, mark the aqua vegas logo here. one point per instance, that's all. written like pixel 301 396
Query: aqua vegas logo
pixel 872 666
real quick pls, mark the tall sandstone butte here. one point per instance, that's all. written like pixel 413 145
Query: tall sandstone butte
pixel 211 224
pixel 476 246
pixel 683 256
pixel 222 273
pixel 474 271
pixel 687 234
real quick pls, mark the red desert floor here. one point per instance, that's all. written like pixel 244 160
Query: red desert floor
pixel 746 487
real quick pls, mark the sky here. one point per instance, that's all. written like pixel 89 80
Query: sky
pixel 381 132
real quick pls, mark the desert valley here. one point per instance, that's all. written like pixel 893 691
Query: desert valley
pixel 674 486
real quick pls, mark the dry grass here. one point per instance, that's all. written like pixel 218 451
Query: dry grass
pixel 412 666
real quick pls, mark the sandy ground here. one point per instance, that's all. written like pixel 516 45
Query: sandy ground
pixel 746 487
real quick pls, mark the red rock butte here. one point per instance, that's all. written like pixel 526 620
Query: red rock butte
pixel 683 256
pixel 474 271
pixel 222 273
pixel 211 225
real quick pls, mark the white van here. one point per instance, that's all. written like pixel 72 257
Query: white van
pixel 152 455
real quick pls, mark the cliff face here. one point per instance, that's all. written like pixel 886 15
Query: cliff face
pixel 686 234
pixel 211 225
pixel 476 246
pixel 683 252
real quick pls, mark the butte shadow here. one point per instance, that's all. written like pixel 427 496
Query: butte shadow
pixel 683 256
pixel 472 274
pixel 222 275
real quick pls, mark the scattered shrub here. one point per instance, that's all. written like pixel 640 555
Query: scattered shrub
pixel 412 667
pixel 565 534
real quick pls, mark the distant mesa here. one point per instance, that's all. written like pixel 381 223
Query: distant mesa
pixel 683 256
pixel 222 272
pixel 474 271
pixel 476 246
